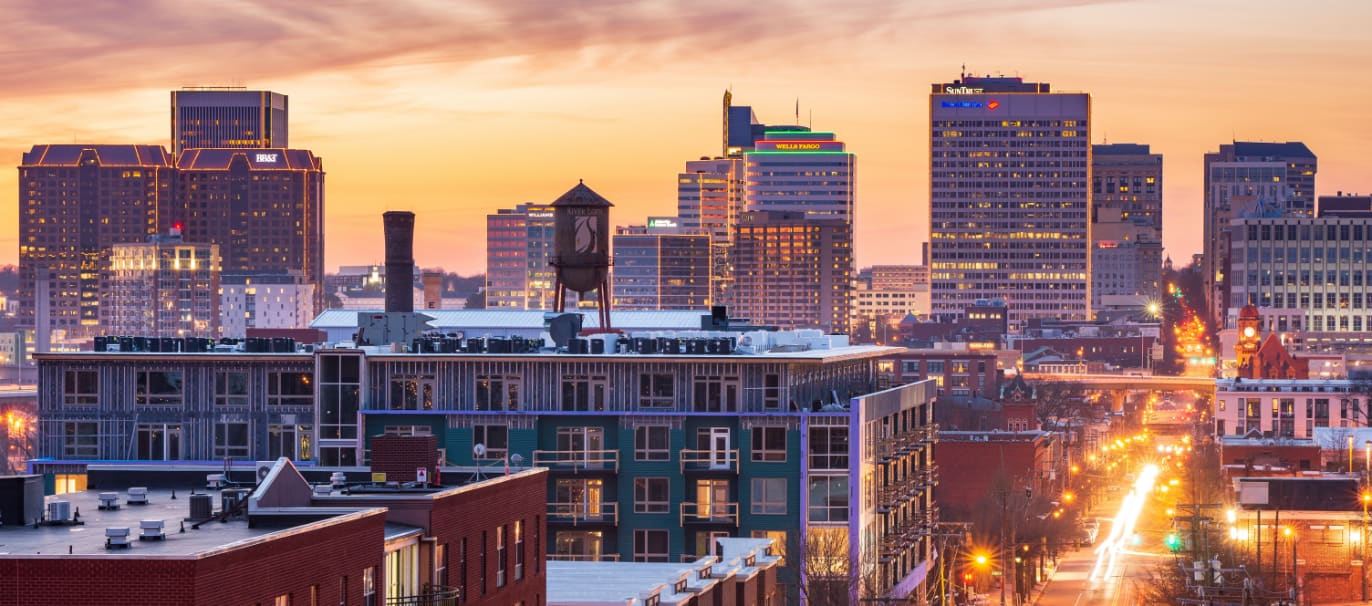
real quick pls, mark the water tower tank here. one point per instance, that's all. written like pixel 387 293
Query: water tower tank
pixel 581 238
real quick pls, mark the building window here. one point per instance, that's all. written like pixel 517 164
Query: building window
pixel 412 393
pixel 771 392
pixel 500 554
pixel 519 549
pixel 769 496
pixel 290 441
pixel 158 388
pixel 282 600
pixel 778 547
pixel 496 439
pixel 290 389
pixel 481 564
pixel 829 447
pixel 650 545
pixel 441 565
pixel 584 545
pixel 81 440
pixel 462 570
pixel 584 393
pixel 369 586
pixel 231 440
pixel 158 442
pixel 656 391
pixel 715 394
pixel 652 443
pixel 651 495
pixel 339 396
pixel 81 388
pixel 497 392
pixel 828 499
pixel 769 444
pixel 231 388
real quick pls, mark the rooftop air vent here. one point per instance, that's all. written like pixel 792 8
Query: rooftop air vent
pixel 151 530
pixel 109 501
pixel 117 538
pixel 138 495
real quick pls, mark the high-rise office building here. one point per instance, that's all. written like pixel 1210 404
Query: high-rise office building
pixel 1009 183
pixel 794 270
pixel 661 266
pixel 1126 223
pixel 164 287
pixel 800 171
pixel 709 200
pixel 264 208
pixel 75 202
pixel 1247 179
pixel 228 118
pixel 519 245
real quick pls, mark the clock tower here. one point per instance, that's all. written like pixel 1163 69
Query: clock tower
pixel 1250 337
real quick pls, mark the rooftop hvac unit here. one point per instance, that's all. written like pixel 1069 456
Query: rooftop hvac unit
pixel 151 530
pixel 202 507
pixel 231 499
pixel 214 481
pixel 117 538
pixel 138 495
pixel 109 501
pixel 59 511
pixel 264 468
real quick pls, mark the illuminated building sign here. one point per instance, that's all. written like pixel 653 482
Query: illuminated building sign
pixel 661 223
pixel 541 215
pixel 992 104
pixel 799 146
pixel 267 157
pixel 962 90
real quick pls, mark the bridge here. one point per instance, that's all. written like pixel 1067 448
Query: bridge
pixel 18 394
pixel 1118 382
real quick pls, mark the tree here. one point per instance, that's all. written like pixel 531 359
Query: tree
pixel 824 559
pixel 1058 400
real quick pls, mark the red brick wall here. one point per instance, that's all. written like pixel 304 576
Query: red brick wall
pixel 978 464
pixel 253 574
pixel 1238 454
pixel 469 513
pixel 399 456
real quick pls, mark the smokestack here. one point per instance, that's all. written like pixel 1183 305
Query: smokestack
pixel 433 289
pixel 399 227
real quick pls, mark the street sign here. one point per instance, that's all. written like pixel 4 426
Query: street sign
pixel 995 573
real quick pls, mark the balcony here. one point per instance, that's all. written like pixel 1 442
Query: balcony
pixel 929 475
pixel 577 461
pixel 709 460
pixel 709 513
pixel 576 514
pixel 434 595
pixel 931 433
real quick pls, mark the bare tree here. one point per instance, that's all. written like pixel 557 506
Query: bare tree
pixel 824 559
pixel 1055 400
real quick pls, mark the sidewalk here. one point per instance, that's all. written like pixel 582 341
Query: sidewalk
pixel 1037 591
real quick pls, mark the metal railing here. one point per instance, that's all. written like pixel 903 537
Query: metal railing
pixel 433 595
pixel 584 557
pixel 605 512
pixel 710 513
pixel 709 460
pixel 577 460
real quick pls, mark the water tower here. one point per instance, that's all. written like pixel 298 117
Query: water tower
pixel 581 248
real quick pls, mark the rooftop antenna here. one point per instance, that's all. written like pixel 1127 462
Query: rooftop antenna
pixel 963 74
pixel 797 110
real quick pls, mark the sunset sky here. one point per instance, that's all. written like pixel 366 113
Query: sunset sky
pixel 454 109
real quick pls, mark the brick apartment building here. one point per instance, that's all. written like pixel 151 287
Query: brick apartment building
pixel 284 541
pixel 1029 460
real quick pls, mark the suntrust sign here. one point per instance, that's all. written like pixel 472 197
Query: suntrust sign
pixel 962 90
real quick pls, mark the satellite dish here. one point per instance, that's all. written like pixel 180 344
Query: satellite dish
pixel 516 459
pixel 479 450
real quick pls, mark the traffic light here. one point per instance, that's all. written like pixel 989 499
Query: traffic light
pixel 966 577
pixel 1173 541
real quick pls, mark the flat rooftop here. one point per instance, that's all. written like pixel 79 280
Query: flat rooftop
pixel 89 538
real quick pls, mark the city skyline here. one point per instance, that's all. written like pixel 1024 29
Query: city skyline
pixel 528 86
